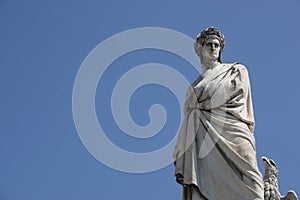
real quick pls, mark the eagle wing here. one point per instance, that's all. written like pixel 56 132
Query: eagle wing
pixel 291 195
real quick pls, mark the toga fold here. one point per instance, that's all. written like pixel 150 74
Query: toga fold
pixel 215 156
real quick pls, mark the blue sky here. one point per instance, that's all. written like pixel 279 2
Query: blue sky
pixel 43 44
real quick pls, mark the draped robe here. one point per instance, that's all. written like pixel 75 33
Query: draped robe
pixel 215 156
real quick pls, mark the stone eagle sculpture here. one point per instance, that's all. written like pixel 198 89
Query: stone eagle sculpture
pixel 271 190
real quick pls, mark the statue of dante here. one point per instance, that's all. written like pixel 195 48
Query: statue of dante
pixel 215 156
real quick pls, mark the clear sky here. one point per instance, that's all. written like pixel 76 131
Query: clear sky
pixel 44 43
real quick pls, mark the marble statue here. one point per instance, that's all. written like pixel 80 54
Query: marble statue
pixel 215 155
pixel 271 182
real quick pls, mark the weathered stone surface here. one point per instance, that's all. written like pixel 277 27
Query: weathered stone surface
pixel 271 190
pixel 215 155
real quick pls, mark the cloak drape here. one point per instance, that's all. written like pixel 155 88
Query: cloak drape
pixel 215 156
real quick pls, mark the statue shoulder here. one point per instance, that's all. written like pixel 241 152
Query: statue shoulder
pixel 238 67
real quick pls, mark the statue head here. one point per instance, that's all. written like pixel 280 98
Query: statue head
pixel 208 34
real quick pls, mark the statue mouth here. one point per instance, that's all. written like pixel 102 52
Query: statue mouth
pixel 214 53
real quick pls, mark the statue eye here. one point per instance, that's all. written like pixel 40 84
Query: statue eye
pixel 211 44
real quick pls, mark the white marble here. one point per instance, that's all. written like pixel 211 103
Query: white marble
pixel 215 156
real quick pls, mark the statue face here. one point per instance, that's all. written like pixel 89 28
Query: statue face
pixel 211 49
